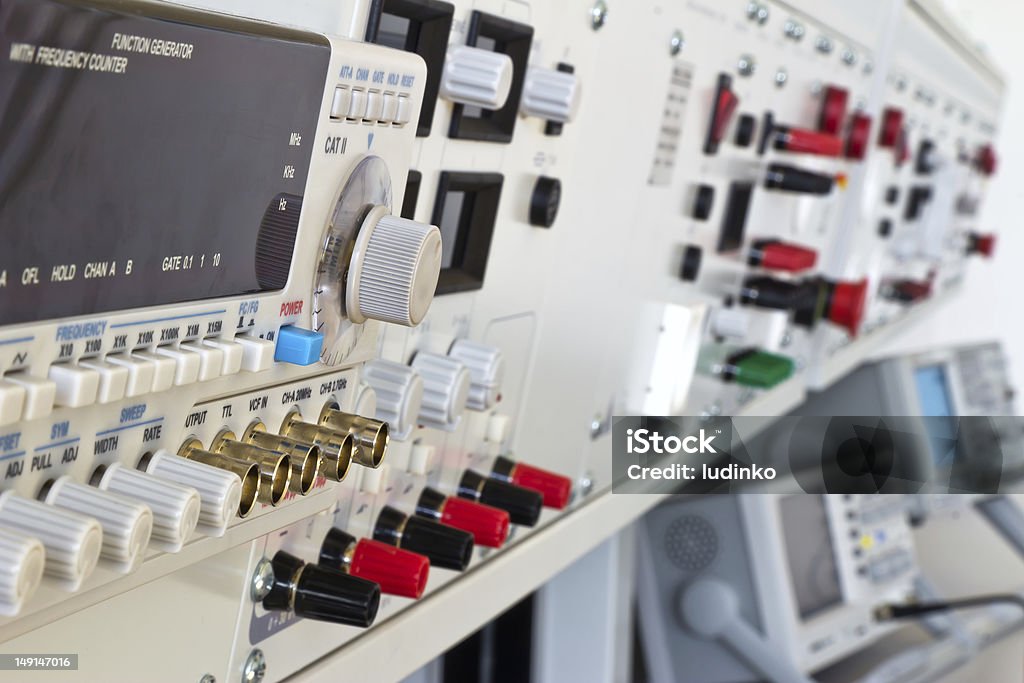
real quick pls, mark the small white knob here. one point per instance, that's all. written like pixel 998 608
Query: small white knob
pixel 22 559
pixel 486 370
pixel 730 323
pixel 445 389
pixel 477 77
pixel 220 491
pixel 399 392
pixel 551 95
pixel 127 525
pixel 498 427
pixel 374 480
pixel 366 400
pixel 72 541
pixel 394 269
pixel 421 459
pixel 175 507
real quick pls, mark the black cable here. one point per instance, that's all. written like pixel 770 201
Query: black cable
pixel 916 609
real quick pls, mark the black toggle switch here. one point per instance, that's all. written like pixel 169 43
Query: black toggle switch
pixel 689 269
pixel 444 546
pixel 703 202
pixel 321 593
pixel 522 505
pixel 544 201
pixel 746 127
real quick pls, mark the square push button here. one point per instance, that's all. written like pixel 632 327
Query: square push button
pixel 340 103
pixel 298 346
pixel 12 400
pixel 76 386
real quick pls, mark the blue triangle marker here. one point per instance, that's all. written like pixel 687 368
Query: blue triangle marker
pixel 369 141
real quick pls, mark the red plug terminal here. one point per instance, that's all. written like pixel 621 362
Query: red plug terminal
pixel 556 489
pixel 397 571
pixel 489 525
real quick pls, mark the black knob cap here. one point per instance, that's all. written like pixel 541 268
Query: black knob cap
pixel 444 546
pixel 793 179
pixel 522 505
pixel 806 300
pixel 544 202
pixel 336 547
pixel 321 593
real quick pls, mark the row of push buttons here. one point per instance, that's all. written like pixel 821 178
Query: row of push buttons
pixel 118 376
pixel 371 105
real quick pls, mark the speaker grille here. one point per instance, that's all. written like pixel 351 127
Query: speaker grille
pixel 691 543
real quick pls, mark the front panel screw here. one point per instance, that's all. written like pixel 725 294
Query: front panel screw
pixel 255 667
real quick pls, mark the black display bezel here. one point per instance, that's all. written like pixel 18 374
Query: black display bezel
pixel 430 23
pixel 510 38
pixel 412 195
pixel 475 230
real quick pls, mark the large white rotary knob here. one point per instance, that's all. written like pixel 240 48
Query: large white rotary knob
pixel 127 525
pixel 446 385
pixel 486 370
pixel 399 392
pixel 22 559
pixel 72 541
pixel 220 491
pixel 394 269
pixel 477 77
pixel 551 95
pixel 175 508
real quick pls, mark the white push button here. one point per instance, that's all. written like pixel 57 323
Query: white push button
pixel 12 400
pixel 357 105
pixel 211 360
pixel 39 395
pixel 164 369
pixel 389 107
pixel 76 386
pixel 404 110
pixel 232 355
pixel 113 380
pixel 186 364
pixel 257 354
pixel 340 103
pixel 374 106
pixel 140 374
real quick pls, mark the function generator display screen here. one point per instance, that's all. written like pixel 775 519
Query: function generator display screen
pixel 145 160
pixel 937 403
pixel 811 555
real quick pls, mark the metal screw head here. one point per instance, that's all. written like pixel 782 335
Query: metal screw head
pixel 262 580
pixel 746 66
pixel 585 485
pixel 762 15
pixel 255 667
pixel 598 14
pixel 848 56
pixel 752 10
pixel 781 76
pixel 675 45
pixel 208 678
pixel 823 45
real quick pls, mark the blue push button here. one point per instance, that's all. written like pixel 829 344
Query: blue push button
pixel 298 346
